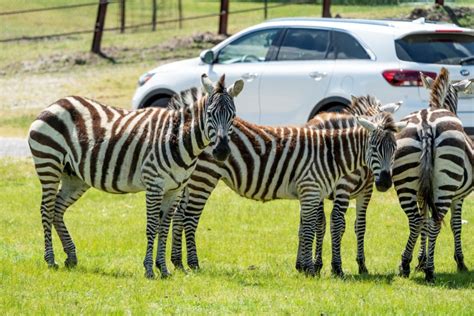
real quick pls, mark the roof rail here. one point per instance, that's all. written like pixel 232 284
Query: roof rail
pixel 335 20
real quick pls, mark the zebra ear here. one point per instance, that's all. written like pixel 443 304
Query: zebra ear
pixel 391 107
pixel 207 84
pixel 368 125
pixel 236 88
pixel 427 81
pixel 353 99
pixel 462 85
pixel 400 125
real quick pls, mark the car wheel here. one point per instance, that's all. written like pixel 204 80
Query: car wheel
pixel 160 102
pixel 338 107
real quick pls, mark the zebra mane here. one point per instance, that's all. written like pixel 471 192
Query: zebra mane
pixel 385 121
pixel 364 105
pixel 440 91
pixel 185 99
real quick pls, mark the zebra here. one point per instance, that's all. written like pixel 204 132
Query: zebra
pixel 433 170
pixel 79 143
pixel 302 163
pixel 357 185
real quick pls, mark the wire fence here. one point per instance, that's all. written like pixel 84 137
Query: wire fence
pixel 131 15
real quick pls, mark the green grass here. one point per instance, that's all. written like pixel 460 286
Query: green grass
pixel 234 234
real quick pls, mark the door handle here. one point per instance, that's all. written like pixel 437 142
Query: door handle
pixel 316 75
pixel 249 76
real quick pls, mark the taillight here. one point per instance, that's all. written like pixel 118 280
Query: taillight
pixel 406 78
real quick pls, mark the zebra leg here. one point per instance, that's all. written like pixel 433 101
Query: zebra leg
pixel 415 222
pixel 320 232
pixel 360 225
pixel 178 227
pixel 199 192
pixel 169 203
pixel 433 232
pixel 422 252
pixel 72 188
pixel 309 209
pixel 154 197
pixel 49 186
pixel 456 227
pixel 299 264
pixel 338 226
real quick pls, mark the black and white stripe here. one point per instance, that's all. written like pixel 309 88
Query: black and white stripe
pixel 433 172
pixel 302 163
pixel 78 143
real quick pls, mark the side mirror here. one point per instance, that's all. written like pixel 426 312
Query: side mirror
pixel 207 56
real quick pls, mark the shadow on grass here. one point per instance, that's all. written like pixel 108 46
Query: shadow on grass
pixel 455 280
pixel 116 274
pixel 375 277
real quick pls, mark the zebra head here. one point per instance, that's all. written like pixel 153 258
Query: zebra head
pixel 444 94
pixel 220 113
pixel 381 146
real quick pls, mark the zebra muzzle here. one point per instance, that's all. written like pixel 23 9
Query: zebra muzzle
pixel 221 150
pixel 384 181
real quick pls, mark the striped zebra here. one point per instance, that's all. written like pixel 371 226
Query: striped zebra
pixel 79 143
pixel 433 172
pixel 357 185
pixel 301 163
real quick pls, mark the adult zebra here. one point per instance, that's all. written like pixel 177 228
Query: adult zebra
pixel 80 143
pixel 357 185
pixel 288 163
pixel 433 170
pixel 444 95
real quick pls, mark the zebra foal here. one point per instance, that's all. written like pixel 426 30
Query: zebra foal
pixel 78 143
pixel 301 163
pixel 433 171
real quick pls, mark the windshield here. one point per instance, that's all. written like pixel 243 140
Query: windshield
pixel 436 48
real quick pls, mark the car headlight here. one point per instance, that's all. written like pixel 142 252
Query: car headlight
pixel 144 78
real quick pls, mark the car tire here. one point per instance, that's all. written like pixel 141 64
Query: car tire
pixel 335 107
pixel 161 102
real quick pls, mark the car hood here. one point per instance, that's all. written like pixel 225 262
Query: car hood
pixel 177 65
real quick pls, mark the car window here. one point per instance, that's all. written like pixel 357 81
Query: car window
pixel 439 48
pixel 345 46
pixel 304 44
pixel 249 48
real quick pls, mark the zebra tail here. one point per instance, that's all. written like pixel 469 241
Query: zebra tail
pixel 425 193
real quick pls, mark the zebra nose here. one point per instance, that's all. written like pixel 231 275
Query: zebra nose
pixel 221 150
pixel 384 181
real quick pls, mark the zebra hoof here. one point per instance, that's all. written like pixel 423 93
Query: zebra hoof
pixel 70 263
pixel 462 267
pixel 363 270
pixel 53 266
pixel 165 275
pixel 298 266
pixel 194 266
pixel 404 270
pixel 429 276
pixel 178 264
pixel 318 266
pixel 337 272
pixel 149 274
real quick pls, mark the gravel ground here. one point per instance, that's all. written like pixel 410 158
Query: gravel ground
pixel 14 147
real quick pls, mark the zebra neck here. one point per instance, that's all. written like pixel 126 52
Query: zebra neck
pixel 347 148
pixel 192 129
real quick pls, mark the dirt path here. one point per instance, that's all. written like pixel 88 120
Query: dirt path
pixel 14 147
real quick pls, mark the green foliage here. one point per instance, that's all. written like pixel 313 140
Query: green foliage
pixel 247 251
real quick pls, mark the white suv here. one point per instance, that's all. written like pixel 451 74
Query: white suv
pixel 296 67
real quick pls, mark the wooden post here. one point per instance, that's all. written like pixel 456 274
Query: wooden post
pixel 440 2
pixel 224 14
pixel 265 9
pixel 122 16
pixel 99 27
pixel 180 12
pixel 153 17
pixel 326 8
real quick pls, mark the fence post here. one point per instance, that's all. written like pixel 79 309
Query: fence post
pixel 440 2
pixel 180 12
pixel 224 14
pixel 153 17
pixel 326 8
pixel 99 30
pixel 265 9
pixel 122 16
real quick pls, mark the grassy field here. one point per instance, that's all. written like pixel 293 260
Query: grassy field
pixel 247 252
